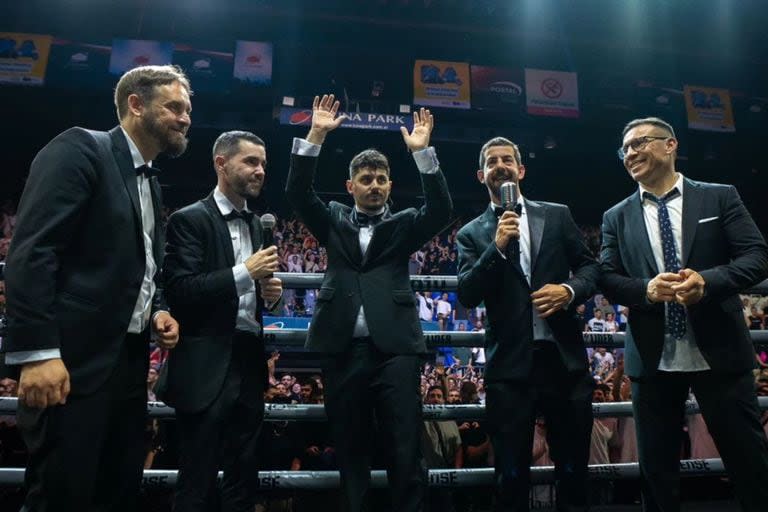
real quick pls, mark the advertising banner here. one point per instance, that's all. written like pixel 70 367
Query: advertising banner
pixel 552 93
pixel 23 58
pixel 709 109
pixel 438 83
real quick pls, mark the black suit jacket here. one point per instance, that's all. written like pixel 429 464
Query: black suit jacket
pixel 379 280
pixel 76 262
pixel 721 242
pixel 557 250
pixel 201 292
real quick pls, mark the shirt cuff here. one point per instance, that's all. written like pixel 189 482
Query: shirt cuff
pixel 31 356
pixel 243 281
pixel 573 295
pixel 426 160
pixel 303 147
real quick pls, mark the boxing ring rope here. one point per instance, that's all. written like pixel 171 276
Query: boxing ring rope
pixel 312 412
pixel 447 478
pixel 472 477
pixel 425 283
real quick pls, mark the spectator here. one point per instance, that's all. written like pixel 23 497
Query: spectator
pixel 596 324
pixel 426 306
pixel 610 324
pixel 441 448
pixel 444 310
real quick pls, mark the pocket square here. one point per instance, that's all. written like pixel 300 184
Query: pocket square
pixel 708 219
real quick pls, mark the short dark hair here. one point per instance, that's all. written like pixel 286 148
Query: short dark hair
pixel 369 158
pixel 228 143
pixel 499 141
pixel 653 121
pixel 432 388
pixel 142 81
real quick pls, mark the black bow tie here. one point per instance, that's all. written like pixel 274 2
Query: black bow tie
pixel 364 220
pixel 499 211
pixel 147 171
pixel 244 214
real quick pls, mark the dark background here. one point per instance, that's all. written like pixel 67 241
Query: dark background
pixel 627 54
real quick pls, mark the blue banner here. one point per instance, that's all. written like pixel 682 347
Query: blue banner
pixel 357 120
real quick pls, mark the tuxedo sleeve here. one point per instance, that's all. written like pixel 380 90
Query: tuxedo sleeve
pixel 186 279
pixel 437 211
pixel 56 196
pixel 746 246
pixel 481 270
pixel 584 267
pixel 614 281
pixel 301 195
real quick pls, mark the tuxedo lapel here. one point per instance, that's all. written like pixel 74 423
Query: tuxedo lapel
pixel 350 237
pixel 536 220
pixel 490 223
pixel 127 172
pixel 157 207
pixel 221 230
pixel 636 225
pixel 382 233
pixel 692 201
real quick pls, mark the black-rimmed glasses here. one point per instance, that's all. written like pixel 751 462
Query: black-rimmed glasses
pixel 637 144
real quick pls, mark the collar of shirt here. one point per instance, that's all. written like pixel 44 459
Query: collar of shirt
pixel 678 185
pixel 225 205
pixel 138 160
pixel 380 212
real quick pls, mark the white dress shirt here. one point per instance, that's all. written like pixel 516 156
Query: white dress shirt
pixel 426 161
pixel 242 247
pixel 681 355
pixel 541 329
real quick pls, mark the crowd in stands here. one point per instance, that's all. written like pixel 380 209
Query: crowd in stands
pixel 454 377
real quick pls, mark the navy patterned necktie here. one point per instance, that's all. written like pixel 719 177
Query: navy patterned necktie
pixel 676 323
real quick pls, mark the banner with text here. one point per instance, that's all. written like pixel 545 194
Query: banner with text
pixel 253 63
pixel 552 93
pixel 357 120
pixel 709 109
pixel 438 83
pixel 497 88
pixel 132 53
pixel 23 58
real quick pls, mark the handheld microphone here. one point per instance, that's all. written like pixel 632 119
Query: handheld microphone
pixel 508 193
pixel 268 222
pixel 509 196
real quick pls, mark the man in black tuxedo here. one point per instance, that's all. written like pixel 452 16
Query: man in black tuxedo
pixel 84 297
pixel 365 316
pixel 536 361
pixel 218 277
pixel 677 252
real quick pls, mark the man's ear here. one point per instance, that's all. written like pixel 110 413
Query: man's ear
pixel 135 105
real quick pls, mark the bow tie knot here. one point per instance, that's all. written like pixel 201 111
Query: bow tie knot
pixel 245 215
pixel 365 220
pixel 147 171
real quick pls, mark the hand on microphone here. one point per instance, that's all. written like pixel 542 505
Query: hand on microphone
pixel 262 263
pixel 508 229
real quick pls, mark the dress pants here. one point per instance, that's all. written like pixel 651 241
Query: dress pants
pixel 729 406
pixel 88 454
pixel 565 400
pixel 363 383
pixel 225 435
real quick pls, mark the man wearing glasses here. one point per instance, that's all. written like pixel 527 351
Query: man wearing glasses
pixel 677 252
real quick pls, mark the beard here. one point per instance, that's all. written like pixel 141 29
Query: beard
pixel 171 142
pixel 244 187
